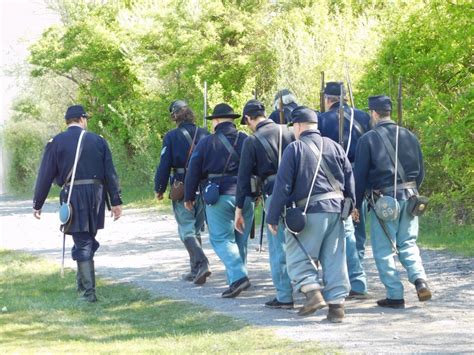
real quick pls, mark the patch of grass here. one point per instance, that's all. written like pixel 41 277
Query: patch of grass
pixel 441 234
pixel 44 314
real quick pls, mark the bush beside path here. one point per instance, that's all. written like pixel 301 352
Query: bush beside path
pixel 143 249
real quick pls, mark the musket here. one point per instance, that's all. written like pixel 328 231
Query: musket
pixel 349 86
pixel 262 227
pixel 341 117
pixel 321 94
pixel 205 104
pixel 280 109
pixel 399 101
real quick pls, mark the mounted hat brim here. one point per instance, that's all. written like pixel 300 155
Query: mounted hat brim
pixel 229 115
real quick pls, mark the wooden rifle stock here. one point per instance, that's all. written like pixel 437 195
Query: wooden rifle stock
pixel 280 109
pixel 321 94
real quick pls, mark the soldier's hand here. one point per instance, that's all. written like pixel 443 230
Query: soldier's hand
pixel 116 212
pixel 273 228
pixel 355 215
pixel 189 205
pixel 159 195
pixel 239 220
pixel 37 213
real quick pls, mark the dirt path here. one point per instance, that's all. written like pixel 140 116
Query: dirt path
pixel 142 248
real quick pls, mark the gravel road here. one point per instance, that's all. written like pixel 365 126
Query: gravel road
pixel 142 248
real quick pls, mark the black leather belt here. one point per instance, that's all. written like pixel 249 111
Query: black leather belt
pixel 86 182
pixel 212 176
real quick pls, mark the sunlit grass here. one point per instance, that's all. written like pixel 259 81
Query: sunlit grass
pixel 42 313
pixel 439 234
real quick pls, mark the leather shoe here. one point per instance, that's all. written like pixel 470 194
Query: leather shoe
pixel 424 293
pixel 391 303
pixel 314 301
pixel 335 313
pixel 203 273
pixel 354 295
pixel 236 288
pixel 275 304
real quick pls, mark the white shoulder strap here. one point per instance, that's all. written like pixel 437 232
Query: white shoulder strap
pixel 315 175
pixel 76 159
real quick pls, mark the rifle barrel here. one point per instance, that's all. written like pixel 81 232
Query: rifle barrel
pixel 399 101
pixel 349 86
pixel 341 117
pixel 321 94
pixel 205 104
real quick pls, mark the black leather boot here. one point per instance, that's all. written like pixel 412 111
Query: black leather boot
pixel 189 276
pixel 201 263
pixel 335 313
pixel 79 286
pixel 87 274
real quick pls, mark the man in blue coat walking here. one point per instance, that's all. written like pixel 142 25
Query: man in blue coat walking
pixel 300 183
pixel 356 123
pixel 95 181
pixel 214 164
pixel 261 156
pixel 375 172
pixel 178 145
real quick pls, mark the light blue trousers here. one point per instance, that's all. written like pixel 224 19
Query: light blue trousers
pixel 230 245
pixel 323 238
pixel 277 253
pixel 356 272
pixel 189 222
pixel 360 234
pixel 404 231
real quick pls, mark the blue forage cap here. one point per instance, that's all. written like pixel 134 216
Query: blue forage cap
pixel 76 111
pixel 252 107
pixel 380 103
pixel 176 106
pixel 333 88
pixel 303 114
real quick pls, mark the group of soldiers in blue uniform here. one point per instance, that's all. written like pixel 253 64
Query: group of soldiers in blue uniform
pixel 301 174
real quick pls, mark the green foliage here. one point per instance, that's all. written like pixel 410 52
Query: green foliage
pixel 432 51
pixel 24 140
pixel 127 60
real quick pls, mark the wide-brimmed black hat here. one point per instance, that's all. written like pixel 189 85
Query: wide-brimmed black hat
pixel 223 110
